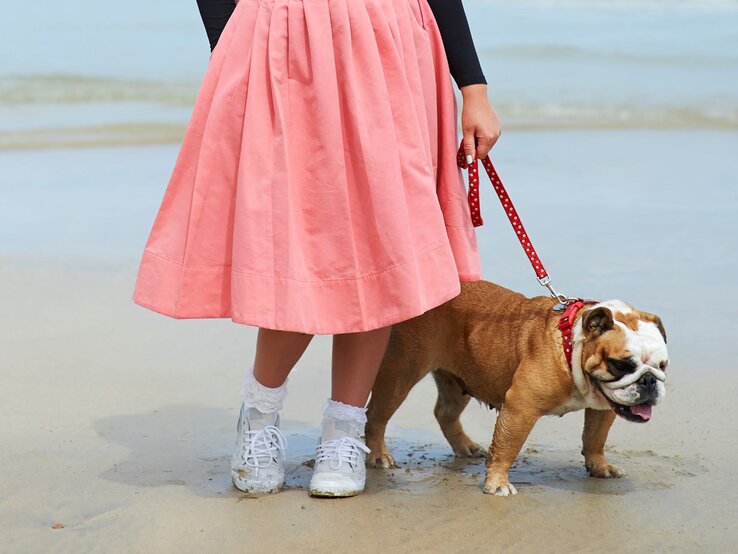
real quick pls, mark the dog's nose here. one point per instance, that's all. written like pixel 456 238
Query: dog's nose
pixel 648 381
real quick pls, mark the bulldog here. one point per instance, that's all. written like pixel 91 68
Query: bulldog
pixel 512 353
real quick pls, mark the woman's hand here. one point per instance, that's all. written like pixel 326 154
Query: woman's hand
pixel 478 120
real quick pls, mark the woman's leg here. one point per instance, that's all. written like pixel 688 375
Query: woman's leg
pixel 356 360
pixel 277 352
pixel 340 457
pixel 257 464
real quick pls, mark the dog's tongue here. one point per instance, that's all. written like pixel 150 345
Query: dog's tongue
pixel 642 410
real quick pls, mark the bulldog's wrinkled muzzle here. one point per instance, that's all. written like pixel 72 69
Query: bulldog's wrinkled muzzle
pixel 634 395
pixel 631 378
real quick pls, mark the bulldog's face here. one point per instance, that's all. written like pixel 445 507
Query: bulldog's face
pixel 624 355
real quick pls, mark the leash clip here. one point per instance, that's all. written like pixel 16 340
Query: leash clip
pixel 546 282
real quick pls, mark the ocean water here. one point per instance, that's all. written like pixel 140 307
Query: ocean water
pixel 87 73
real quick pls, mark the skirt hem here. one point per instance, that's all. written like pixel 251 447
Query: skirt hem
pixel 300 306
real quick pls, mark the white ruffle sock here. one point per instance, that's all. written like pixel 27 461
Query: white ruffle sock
pixel 336 411
pixel 265 399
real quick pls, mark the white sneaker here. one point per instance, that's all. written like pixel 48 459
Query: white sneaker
pixel 257 464
pixel 340 461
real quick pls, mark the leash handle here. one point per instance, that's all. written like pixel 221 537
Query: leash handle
pixel 510 211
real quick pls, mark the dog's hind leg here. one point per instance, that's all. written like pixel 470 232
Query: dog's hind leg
pixel 391 387
pixel 451 402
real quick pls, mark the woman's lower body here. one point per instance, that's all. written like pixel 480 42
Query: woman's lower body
pixel 316 192
pixel 257 465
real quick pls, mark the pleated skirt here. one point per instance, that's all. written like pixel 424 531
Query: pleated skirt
pixel 316 187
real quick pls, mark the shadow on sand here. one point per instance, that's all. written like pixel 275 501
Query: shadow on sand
pixel 190 446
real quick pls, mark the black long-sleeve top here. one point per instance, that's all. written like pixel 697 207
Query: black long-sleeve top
pixel 449 14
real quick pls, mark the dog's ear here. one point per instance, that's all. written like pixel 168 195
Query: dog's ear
pixel 657 321
pixel 596 321
pixel 660 326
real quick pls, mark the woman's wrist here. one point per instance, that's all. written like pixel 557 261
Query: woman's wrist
pixel 474 90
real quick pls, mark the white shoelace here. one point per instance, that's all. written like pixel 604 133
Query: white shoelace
pixel 337 451
pixel 261 443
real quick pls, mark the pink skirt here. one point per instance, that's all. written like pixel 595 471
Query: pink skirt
pixel 316 188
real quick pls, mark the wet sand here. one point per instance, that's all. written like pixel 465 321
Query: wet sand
pixel 119 426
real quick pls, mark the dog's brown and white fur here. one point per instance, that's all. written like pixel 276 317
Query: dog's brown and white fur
pixel 505 349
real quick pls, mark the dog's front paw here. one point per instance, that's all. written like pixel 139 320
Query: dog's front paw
pixel 504 490
pixel 499 487
pixel 603 470
pixel 381 458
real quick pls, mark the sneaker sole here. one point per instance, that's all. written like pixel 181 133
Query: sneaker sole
pixel 333 494
pixel 335 488
pixel 251 491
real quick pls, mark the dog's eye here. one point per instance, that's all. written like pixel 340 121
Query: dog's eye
pixel 663 365
pixel 621 366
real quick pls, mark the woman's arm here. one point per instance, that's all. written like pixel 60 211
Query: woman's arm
pixel 479 123
pixel 457 41
pixel 215 14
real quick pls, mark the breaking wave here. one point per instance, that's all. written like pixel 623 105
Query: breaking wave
pixel 59 93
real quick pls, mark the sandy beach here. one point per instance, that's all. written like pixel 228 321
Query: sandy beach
pixel 119 426
pixel 620 127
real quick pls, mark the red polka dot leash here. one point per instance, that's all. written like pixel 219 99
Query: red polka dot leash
pixel 569 306
pixel 512 215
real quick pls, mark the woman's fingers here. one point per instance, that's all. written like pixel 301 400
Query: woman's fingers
pixel 479 142
pixel 469 145
pixel 485 143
